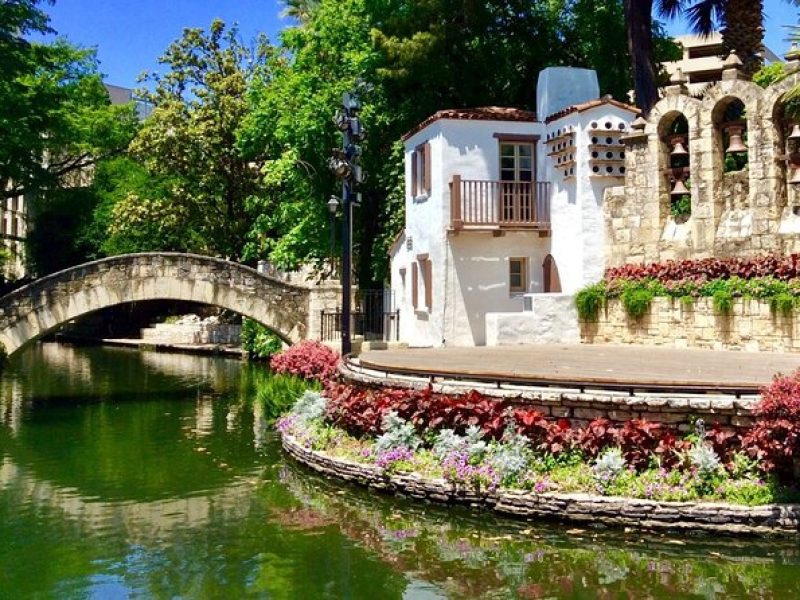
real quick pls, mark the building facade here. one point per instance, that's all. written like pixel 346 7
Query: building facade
pixel 503 221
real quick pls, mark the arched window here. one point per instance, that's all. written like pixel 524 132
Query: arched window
pixel 730 125
pixel 674 135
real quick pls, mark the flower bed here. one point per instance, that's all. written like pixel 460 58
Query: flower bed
pixel 480 444
pixel 773 279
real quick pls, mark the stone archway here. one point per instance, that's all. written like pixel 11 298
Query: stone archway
pixel 290 310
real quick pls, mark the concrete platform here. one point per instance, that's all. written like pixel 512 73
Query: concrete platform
pixel 604 366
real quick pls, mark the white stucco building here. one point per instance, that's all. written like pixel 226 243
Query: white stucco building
pixel 504 216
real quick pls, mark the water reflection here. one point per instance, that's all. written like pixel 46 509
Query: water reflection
pixel 122 474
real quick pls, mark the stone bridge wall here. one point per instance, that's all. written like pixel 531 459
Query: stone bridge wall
pixel 290 310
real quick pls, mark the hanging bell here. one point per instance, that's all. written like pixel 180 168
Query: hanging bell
pixel 679 189
pixel 795 179
pixel 677 147
pixel 794 136
pixel 736 144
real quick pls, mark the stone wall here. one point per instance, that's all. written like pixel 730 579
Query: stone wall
pixel 582 406
pixel 746 213
pixel 752 325
pixel 578 508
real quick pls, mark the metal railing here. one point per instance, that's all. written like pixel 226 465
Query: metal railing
pixel 374 317
pixel 499 204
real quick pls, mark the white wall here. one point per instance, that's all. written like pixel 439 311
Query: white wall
pixel 470 271
pixel 578 228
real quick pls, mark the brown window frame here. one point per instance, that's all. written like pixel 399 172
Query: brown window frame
pixel 421 170
pixel 524 274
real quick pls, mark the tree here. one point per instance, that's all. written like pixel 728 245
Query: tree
pixel 639 30
pixel 740 22
pixel 188 143
pixel 55 113
pixel 417 57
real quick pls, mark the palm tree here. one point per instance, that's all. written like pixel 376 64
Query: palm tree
pixel 639 25
pixel 300 10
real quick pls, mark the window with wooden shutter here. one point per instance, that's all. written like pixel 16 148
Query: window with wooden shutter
pixel 426 168
pixel 421 170
pixel 428 284
pixel 414 285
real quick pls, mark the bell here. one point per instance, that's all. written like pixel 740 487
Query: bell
pixel 736 144
pixel 795 135
pixel 795 180
pixel 677 147
pixel 679 189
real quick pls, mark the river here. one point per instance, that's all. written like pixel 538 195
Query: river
pixel 146 475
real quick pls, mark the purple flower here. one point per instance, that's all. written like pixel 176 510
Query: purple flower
pixel 387 459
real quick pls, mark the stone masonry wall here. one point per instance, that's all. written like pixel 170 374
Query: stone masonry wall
pixel 752 325
pixel 746 213
pixel 579 508
pixel 581 407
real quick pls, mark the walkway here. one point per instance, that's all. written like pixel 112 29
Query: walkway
pixel 592 365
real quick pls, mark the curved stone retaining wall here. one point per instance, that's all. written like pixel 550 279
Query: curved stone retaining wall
pixel 678 410
pixel 578 508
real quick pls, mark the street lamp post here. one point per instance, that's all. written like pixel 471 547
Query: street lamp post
pixel 344 164
pixel 333 206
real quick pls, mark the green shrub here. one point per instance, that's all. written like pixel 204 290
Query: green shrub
pixel 258 341
pixel 636 301
pixel 277 393
pixel 722 300
pixel 687 301
pixel 782 303
pixel 590 300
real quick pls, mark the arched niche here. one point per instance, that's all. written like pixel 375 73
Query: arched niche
pixel 784 115
pixel 729 120
pixel 675 160
pixel 551 278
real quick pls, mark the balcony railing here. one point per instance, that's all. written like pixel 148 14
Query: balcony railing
pixel 481 204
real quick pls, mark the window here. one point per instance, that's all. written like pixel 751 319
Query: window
pixel 516 161
pixel 421 170
pixel 414 286
pixel 518 275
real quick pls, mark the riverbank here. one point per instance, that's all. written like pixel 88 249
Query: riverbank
pixel 582 509
pixel 145 345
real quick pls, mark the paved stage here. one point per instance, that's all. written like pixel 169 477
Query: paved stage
pixel 601 365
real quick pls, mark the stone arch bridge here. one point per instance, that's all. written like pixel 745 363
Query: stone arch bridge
pixel 292 311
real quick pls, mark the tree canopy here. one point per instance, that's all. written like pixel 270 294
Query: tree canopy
pixel 55 113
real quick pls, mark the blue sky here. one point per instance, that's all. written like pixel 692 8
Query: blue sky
pixel 131 35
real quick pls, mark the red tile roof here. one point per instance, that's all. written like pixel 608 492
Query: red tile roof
pixel 483 113
pixel 590 104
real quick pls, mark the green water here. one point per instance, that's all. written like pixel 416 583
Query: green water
pixel 128 475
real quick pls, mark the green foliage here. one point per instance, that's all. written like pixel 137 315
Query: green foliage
pixel 191 187
pixel 278 393
pixel 636 300
pixel 722 301
pixel 52 104
pixel 783 303
pixel 590 300
pixel 735 162
pixel 412 56
pixel 681 207
pixel 769 74
pixel 258 341
pixel 55 242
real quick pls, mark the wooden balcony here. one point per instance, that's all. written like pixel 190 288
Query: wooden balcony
pixel 499 205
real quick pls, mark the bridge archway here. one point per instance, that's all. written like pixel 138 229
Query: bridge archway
pixel 290 310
